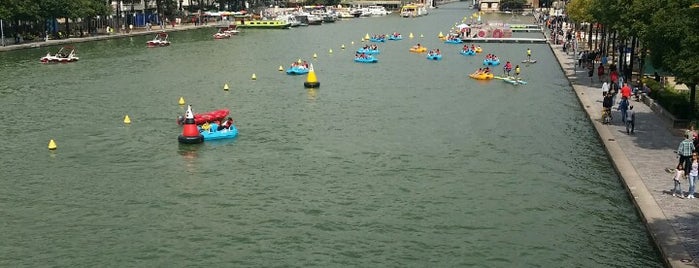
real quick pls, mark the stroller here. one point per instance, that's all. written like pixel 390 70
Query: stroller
pixel 606 115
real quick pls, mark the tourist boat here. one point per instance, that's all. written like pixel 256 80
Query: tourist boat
pixel 366 59
pixel 211 116
pixel 418 49
pixel 64 55
pixel 468 52
pixel 297 69
pixel 491 62
pixel 160 40
pixel 481 76
pixel 368 51
pixel 263 24
pixel 434 56
pixel 314 19
pixel 413 10
pixel 214 134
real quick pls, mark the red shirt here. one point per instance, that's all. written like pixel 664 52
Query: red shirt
pixel 626 91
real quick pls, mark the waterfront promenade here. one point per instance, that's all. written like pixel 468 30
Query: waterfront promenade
pixel 640 159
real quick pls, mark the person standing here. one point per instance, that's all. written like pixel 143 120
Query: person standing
pixel 630 118
pixel 607 108
pixel 693 173
pixel 679 176
pixel 605 88
pixel 517 70
pixel 529 54
pixel 626 91
pixel 685 151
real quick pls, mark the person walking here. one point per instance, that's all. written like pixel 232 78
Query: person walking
pixel 693 173
pixel 685 151
pixel 623 107
pixel 605 88
pixel 679 176
pixel 630 118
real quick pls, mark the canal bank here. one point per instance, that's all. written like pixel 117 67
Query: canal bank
pixel 134 32
pixel 640 159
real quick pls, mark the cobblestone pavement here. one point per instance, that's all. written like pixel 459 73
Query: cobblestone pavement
pixel 641 159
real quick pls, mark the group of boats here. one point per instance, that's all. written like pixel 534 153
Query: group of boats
pixel 226 32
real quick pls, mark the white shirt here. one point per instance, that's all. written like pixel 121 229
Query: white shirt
pixel 605 87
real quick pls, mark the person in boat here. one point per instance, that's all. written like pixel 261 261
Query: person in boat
pixel 480 71
pixel 508 68
pixel 517 70
pixel 206 126
pixel 486 70
pixel 437 51
pixel 226 124
pixel 529 54
pixel 305 64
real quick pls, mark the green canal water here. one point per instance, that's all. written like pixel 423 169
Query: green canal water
pixel 403 163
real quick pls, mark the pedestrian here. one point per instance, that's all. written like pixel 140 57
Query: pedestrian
pixel 623 107
pixel 693 173
pixel 630 120
pixel 600 72
pixel 590 70
pixel 605 88
pixel 626 91
pixel 679 175
pixel 685 150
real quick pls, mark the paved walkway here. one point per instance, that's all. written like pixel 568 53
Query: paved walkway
pixel 641 159
pixel 134 32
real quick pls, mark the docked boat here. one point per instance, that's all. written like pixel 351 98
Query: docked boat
pixel 377 11
pixel 263 24
pixel 413 10
pixel 291 19
pixel 314 19
pixel 160 40
pixel 64 55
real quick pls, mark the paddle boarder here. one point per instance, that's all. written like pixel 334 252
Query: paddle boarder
pixel 529 54
pixel 508 68
pixel 517 70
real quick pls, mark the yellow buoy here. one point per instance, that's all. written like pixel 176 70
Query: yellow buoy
pixel 330 51
pixel 311 79
pixel 127 120
pixel 225 86
pixel 254 77
pixel 52 145
pixel 281 69
pixel 421 36
pixel 366 36
pixel 181 102
pixel 411 35
pixel 315 55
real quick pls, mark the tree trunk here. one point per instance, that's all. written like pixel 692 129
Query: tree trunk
pixel 589 36
pixel 692 101
pixel 614 45
pixel 631 61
